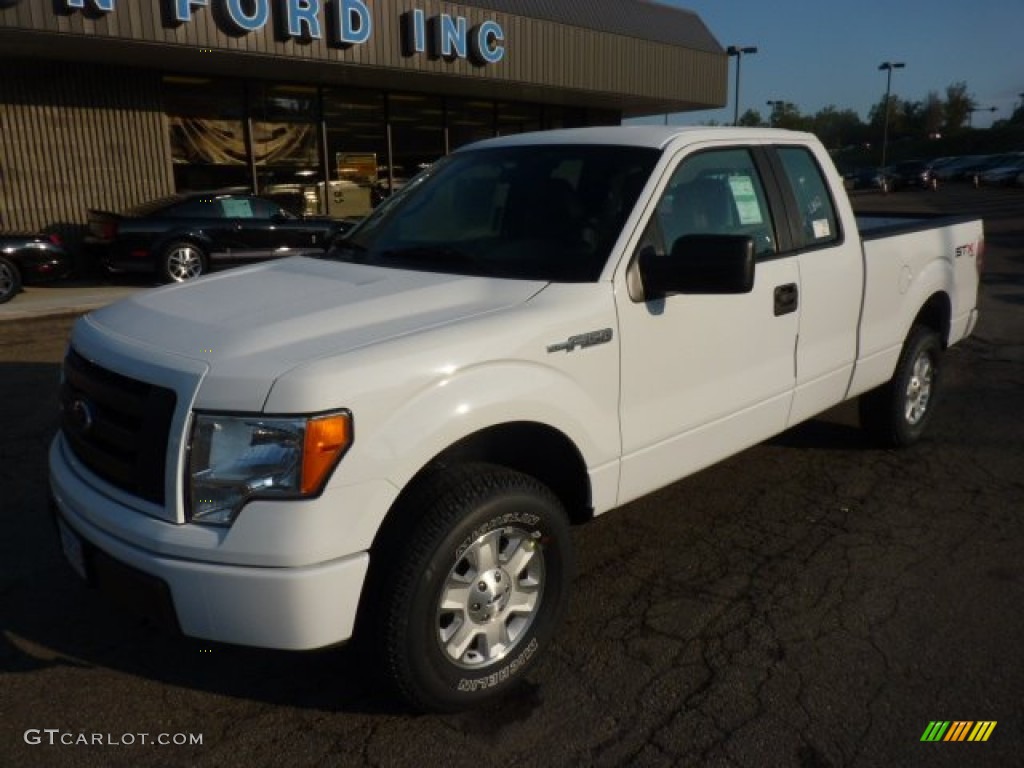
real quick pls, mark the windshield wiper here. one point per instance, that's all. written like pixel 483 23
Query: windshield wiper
pixel 344 249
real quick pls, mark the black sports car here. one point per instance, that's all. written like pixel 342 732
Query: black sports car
pixel 30 258
pixel 182 236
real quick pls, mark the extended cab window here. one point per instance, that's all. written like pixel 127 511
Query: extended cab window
pixel 716 193
pixel 816 214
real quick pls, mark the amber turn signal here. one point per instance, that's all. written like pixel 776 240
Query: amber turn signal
pixel 327 439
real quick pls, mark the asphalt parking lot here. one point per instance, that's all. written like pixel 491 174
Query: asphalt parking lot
pixel 812 602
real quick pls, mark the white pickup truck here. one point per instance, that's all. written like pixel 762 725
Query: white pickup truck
pixel 391 440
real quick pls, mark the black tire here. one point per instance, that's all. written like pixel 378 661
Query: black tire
pixel 452 572
pixel 10 280
pixel 182 261
pixel 898 412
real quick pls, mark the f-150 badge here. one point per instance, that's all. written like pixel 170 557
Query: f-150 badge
pixel 582 341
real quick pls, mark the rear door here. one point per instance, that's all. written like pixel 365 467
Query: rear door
pixel 831 268
pixel 704 376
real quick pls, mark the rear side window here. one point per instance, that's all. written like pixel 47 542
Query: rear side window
pixel 237 208
pixel 815 212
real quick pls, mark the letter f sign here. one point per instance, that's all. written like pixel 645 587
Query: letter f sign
pixel 101 5
pixel 181 10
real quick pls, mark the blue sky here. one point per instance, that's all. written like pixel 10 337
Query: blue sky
pixel 819 53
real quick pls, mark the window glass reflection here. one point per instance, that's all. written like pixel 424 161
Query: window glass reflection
pixel 206 133
pixel 357 151
pixel 417 135
pixel 285 147
pixel 518 118
pixel 469 121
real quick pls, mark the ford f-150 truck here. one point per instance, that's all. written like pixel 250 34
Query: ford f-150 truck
pixel 391 440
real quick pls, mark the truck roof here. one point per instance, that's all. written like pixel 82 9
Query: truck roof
pixel 654 136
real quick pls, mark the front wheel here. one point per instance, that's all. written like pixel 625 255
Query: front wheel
pixel 478 591
pixel 182 262
pixel 10 280
pixel 898 412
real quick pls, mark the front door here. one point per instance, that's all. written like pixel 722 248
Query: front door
pixel 704 376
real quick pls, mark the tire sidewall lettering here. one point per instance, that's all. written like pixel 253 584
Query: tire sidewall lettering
pixel 502 521
pixel 471 685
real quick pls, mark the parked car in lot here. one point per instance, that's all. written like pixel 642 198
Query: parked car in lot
pixel 911 173
pixel 867 178
pixel 971 169
pixel 961 168
pixel 182 236
pixel 30 258
pixel 1004 174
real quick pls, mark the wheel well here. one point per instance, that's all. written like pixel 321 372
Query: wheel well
pixel 14 264
pixel 189 239
pixel 528 447
pixel 534 449
pixel 937 315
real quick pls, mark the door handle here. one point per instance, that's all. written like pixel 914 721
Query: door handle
pixel 787 299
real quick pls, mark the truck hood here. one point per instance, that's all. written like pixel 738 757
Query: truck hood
pixel 252 325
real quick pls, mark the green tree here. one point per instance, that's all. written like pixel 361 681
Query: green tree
pixel 838 128
pixel 934 114
pixel 897 117
pixel 752 118
pixel 958 106
pixel 787 115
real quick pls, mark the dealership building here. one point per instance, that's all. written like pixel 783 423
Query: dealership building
pixel 109 103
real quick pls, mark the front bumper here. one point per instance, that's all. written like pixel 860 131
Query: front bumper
pixel 287 608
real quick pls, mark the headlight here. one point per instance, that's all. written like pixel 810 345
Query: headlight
pixel 236 458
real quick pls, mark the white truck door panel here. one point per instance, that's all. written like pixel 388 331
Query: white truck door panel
pixel 704 376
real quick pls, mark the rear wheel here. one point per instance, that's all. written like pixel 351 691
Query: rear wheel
pixel 898 412
pixel 182 262
pixel 477 590
pixel 10 280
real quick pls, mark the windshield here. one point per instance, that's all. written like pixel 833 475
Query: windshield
pixel 544 212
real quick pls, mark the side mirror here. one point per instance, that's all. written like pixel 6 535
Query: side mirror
pixel 699 264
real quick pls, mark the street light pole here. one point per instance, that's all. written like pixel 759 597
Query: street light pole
pixel 888 66
pixel 738 51
pixel 775 105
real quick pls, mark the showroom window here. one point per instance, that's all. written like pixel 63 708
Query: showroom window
pixel 206 126
pixel 468 121
pixel 357 150
pixel 417 133
pixel 285 146
pixel 518 118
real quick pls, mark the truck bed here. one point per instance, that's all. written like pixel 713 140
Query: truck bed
pixel 874 225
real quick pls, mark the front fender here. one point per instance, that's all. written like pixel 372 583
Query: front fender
pixel 458 406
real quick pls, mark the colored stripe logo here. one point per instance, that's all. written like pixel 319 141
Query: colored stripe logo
pixel 958 730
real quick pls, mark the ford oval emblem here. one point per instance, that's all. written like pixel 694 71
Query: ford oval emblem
pixel 82 415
